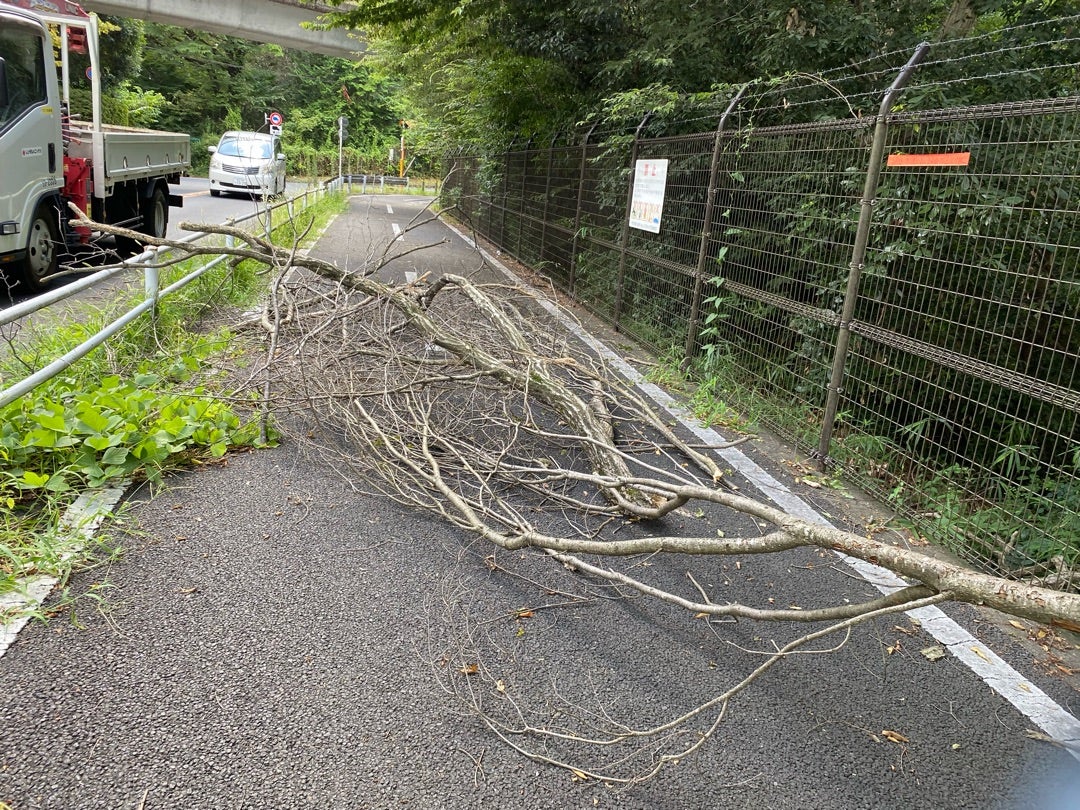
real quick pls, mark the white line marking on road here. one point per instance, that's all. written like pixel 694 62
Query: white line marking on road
pixel 389 208
pixel 79 521
pixel 1027 698
pixel 397 232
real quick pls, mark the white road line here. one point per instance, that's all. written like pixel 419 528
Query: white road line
pixel 79 521
pixel 1025 696
pixel 397 232
pixel 389 208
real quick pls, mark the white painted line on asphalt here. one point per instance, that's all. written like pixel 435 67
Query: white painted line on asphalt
pixel 389 208
pixel 397 231
pixel 1025 696
pixel 79 522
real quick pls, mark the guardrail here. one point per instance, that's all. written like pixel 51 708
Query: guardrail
pixel 375 180
pixel 153 292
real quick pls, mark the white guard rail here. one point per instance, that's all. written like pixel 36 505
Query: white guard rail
pixel 153 293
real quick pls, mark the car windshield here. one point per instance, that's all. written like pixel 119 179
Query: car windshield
pixel 244 147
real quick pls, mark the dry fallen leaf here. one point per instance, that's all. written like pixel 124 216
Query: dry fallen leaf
pixel 701 615
pixel 894 736
pixel 980 653
pixel 1018 625
pixel 935 653
pixel 469 669
pixel 584 777
pixel 500 687
pixel 524 613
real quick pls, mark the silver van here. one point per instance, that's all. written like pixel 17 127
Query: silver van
pixel 247 162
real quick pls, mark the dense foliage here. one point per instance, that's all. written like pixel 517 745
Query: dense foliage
pixel 489 71
pixel 174 79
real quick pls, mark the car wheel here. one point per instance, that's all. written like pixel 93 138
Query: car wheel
pixel 43 250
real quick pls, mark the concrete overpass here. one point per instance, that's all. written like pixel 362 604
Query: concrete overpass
pixel 277 21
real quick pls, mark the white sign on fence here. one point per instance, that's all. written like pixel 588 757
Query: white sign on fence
pixel 647 202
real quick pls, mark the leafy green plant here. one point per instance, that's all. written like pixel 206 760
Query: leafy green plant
pixel 153 400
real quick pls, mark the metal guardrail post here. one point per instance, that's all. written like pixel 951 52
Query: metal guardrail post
pixel 624 238
pixel 694 324
pixel 152 280
pixel 858 253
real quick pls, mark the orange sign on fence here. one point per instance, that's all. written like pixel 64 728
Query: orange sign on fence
pixel 933 159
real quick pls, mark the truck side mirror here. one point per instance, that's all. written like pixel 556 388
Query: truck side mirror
pixel 4 97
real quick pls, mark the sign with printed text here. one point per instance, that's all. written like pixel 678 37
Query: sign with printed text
pixel 647 201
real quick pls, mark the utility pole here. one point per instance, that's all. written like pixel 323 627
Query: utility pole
pixel 343 133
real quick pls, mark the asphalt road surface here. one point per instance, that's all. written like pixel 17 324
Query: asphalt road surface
pixel 273 639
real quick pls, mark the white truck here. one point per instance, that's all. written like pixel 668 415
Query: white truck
pixel 117 175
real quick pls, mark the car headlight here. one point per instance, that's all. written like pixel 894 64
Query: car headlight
pixel 215 162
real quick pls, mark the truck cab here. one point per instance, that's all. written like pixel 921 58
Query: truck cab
pixel 31 148
pixel 52 160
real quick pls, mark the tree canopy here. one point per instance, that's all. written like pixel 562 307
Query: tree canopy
pixel 176 79
pixel 499 69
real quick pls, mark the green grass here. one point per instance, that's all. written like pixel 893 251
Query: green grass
pixel 152 399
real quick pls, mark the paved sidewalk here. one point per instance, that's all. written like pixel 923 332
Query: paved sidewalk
pixel 276 640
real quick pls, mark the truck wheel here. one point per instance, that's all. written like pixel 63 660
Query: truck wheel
pixel 42 250
pixel 155 215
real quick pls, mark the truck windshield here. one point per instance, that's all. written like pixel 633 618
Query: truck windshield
pixel 23 73
pixel 245 147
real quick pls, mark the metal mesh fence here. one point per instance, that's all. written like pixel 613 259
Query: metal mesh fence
pixel 897 289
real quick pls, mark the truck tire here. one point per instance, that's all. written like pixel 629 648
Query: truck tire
pixel 43 250
pixel 155 214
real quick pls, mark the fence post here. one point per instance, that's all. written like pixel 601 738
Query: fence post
pixel 694 326
pixel 547 196
pixel 624 238
pixel 525 163
pixel 858 254
pixel 577 212
pixel 501 240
